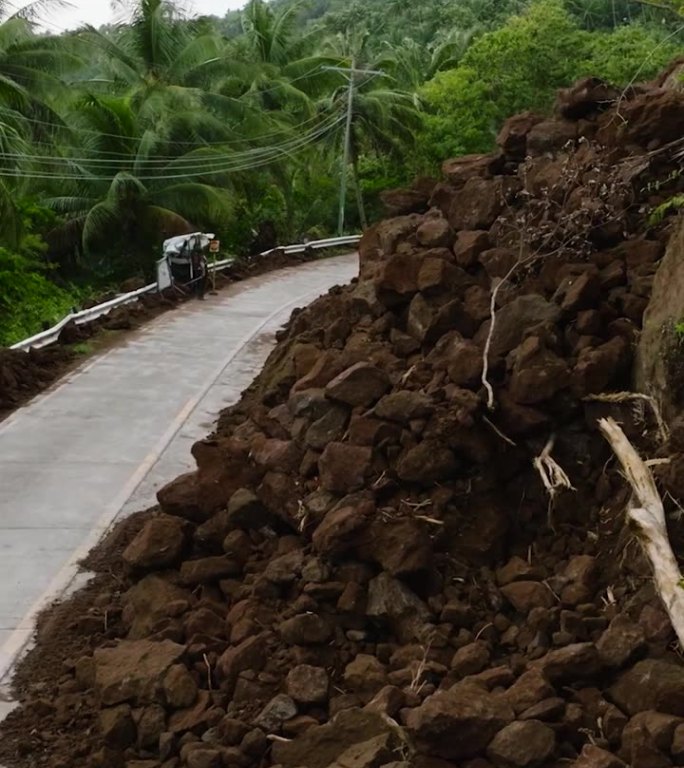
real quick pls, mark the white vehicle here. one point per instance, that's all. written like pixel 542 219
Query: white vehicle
pixel 177 265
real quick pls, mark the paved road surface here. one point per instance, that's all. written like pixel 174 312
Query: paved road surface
pixel 105 439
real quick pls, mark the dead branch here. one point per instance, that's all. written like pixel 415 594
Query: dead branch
pixel 625 397
pixel 649 519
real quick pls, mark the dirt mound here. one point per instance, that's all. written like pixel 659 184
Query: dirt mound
pixel 366 569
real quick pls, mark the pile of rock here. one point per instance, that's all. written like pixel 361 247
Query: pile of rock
pixel 366 569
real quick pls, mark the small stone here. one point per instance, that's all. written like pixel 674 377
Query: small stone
pixel 275 713
pixel 548 710
pixel 180 688
pixel 574 662
pixel 308 685
pixel 306 629
pixel 526 595
pixel 159 544
pixel 470 659
pixel 362 385
pixel 622 643
pixel 117 727
pixel 522 745
pixel 365 675
pixel 595 757
pixel 246 511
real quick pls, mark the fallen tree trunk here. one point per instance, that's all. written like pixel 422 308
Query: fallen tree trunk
pixel 646 511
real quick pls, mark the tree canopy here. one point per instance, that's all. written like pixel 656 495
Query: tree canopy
pixel 113 138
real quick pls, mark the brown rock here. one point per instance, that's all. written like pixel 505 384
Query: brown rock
pixel 365 675
pixel 512 138
pixel 526 595
pixel 361 385
pixel 471 659
pixel 574 662
pixel 477 205
pixel 399 202
pixel 455 726
pixel 651 684
pixel 595 757
pixel 340 529
pixel 369 754
pixel 461 169
pixel 246 511
pixel 404 406
pixel 275 713
pixel 538 373
pixel 134 670
pixel 306 629
pixel 209 569
pixel 622 643
pixel 249 654
pixel 397 281
pixel 517 569
pixel 597 367
pixel 522 745
pixel 401 547
pixel 435 233
pixel 344 468
pixel 648 731
pixel 151 724
pixel 180 688
pixel 529 689
pixel 498 262
pixel 677 748
pixel 146 604
pixel 393 601
pixel 469 245
pixel 180 498
pixel 428 321
pixel 117 727
pixel 427 463
pixel 516 320
pixel 328 429
pixel 308 685
pixel 160 543
pixel 321 746
pixel 550 136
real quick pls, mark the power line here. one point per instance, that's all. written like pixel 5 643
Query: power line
pixel 216 170
pixel 191 162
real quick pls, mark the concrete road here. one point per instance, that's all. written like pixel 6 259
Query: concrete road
pixel 107 437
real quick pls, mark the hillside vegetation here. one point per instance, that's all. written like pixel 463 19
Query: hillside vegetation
pixel 112 139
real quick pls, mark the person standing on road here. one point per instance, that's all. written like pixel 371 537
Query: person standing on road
pixel 199 271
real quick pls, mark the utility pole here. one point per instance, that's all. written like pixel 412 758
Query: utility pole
pixel 350 73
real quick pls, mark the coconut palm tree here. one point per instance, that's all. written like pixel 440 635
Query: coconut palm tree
pixel 131 186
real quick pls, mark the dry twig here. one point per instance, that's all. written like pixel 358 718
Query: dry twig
pixel 635 397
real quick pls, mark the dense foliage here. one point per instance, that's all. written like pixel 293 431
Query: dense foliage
pixel 123 135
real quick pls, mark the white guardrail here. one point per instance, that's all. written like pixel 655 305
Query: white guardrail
pixel 87 315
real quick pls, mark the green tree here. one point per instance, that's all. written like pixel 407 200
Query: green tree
pixel 133 189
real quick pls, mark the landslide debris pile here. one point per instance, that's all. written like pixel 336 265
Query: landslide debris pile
pixel 366 569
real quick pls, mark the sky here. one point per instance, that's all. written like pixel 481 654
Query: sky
pixel 97 12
